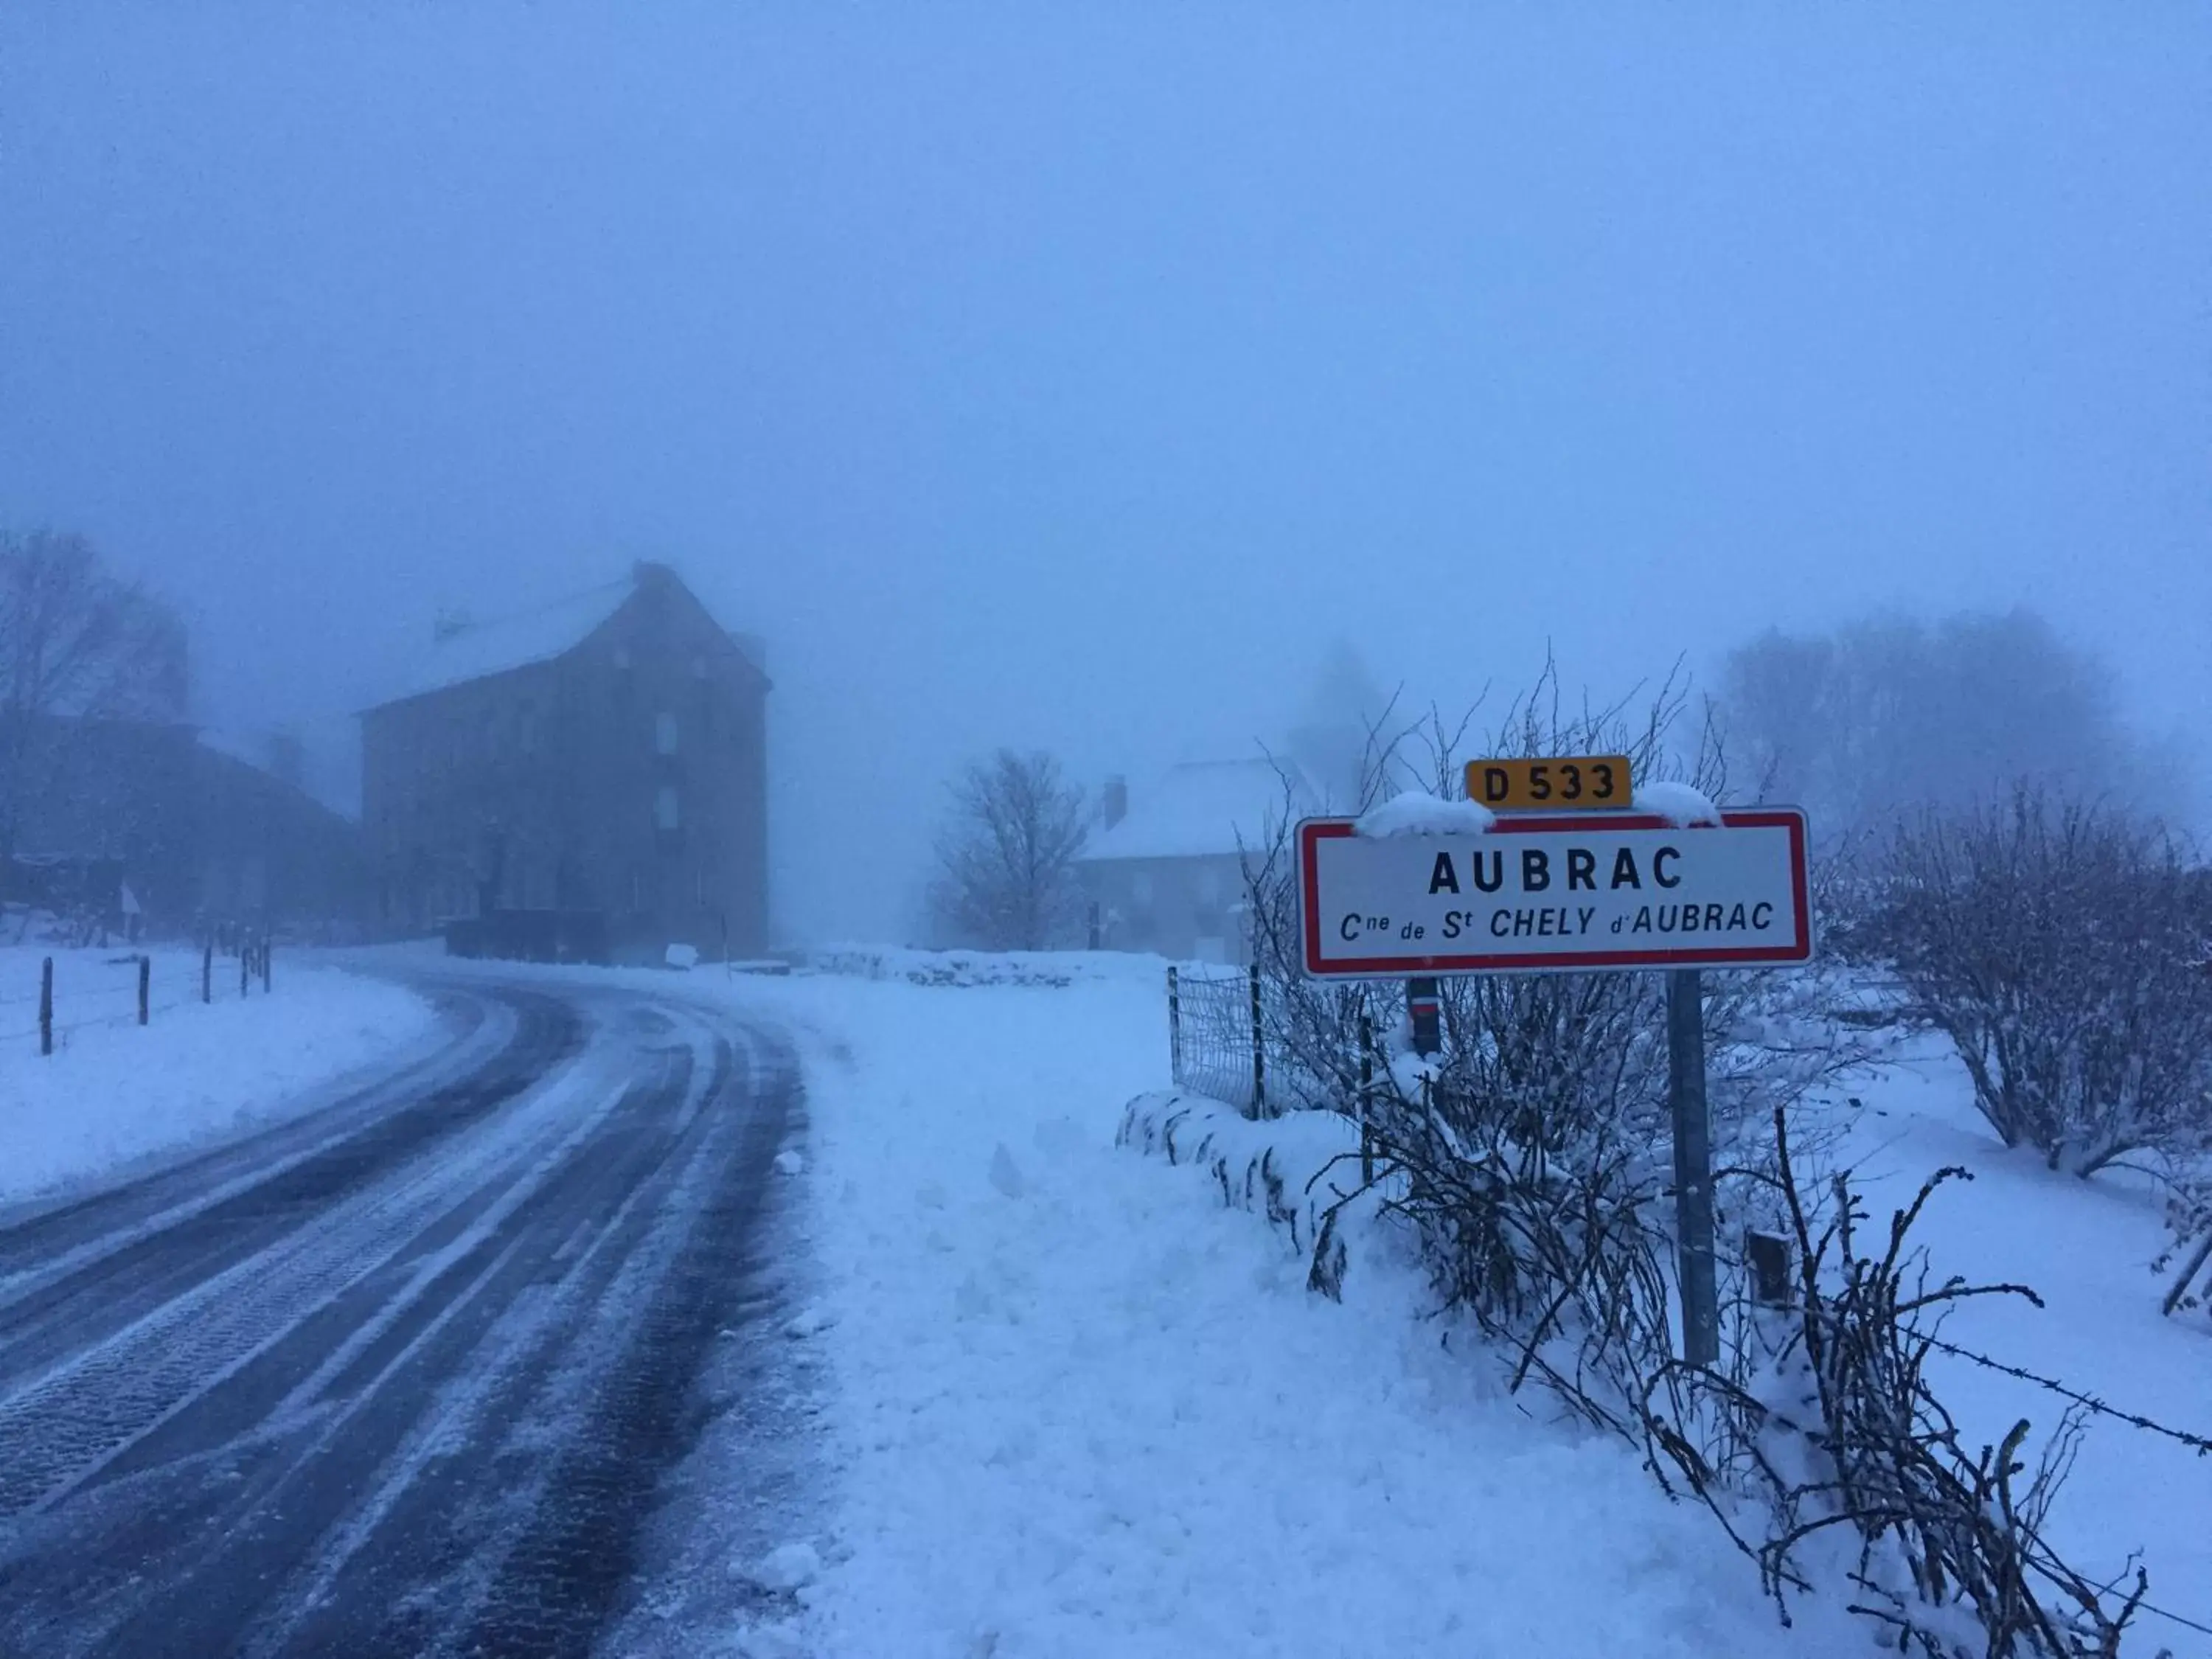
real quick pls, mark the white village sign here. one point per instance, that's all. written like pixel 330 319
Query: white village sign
pixel 1582 891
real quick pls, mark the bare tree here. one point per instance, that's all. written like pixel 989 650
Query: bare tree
pixel 1006 859
pixel 2056 944
pixel 77 643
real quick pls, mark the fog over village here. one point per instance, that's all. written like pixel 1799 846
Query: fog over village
pixel 659 669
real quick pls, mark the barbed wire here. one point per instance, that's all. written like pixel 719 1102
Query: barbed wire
pixel 2201 1445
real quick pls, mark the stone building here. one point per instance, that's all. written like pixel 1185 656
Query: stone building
pixel 601 760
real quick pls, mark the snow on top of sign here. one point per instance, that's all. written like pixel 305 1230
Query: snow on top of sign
pixel 1416 812
pixel 1679 804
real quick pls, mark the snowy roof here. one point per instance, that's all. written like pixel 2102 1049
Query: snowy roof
pixel 1202 809
pixel 475 650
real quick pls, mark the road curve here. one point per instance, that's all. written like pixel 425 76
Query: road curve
pixel 402 1375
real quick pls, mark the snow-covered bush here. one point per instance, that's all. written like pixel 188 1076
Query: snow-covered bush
pixel 2058 945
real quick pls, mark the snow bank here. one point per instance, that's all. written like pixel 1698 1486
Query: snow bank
pixel 1417 813
pixel 1679 804
pixel 1085 1412
pixel 114 1092
pixel 1054 968
pixel 1280 1168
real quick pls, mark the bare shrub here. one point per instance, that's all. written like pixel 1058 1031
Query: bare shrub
pixel 2056 944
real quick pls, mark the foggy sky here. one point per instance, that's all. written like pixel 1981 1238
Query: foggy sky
pixel 1072 375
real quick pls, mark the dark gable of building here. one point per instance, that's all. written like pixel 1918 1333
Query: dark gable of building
pixel 605 758
pixel 199 837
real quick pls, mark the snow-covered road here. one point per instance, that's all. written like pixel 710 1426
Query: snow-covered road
pixel 402 1373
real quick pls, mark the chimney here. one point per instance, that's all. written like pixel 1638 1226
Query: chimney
pixel 1114 800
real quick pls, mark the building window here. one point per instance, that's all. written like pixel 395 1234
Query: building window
pixel 667 810
pixel 664 732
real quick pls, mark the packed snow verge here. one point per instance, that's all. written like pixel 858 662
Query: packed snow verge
pixel 1301 1172
pixel 113 1091
pixel 1417 813
pixel 1681 804
pixel 1083 1412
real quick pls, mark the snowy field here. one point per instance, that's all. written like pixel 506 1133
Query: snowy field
pixel 113 1092
pixel 2084 1247
pixel 1081 1409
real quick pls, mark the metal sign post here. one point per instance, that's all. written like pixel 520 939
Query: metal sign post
pixel 1693 1166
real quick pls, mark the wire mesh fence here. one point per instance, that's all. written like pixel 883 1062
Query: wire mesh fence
pixel 1220 1030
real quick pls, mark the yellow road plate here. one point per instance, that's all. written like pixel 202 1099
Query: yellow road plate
pixel 1571 783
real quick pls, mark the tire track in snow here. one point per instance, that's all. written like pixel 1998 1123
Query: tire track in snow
pixel 436 1402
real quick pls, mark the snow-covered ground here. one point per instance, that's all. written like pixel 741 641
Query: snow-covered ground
pixel 1080 1408
pixel 114 1092
pixel 1077 1408
pixel 2084 1247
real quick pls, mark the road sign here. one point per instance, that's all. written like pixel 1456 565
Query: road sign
pixel 1578 783
pixel 1565 892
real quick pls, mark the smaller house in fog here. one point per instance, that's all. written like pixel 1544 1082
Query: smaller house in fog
pixel 1164 870
pixel 202 830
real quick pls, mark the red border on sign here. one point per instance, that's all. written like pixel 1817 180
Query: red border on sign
pixel 1313 831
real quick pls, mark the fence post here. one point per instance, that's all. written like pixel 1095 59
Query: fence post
pixel 47 1007
pixel 1693 1172
pixel 1259 1051
pixel 267 950
pixel 1174 1026
pixel 207 971
pixel 145 980
pixel 1366 1097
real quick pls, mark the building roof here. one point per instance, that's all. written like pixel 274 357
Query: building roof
pixel 1205 809
pixel 465 649
pixel 468 650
